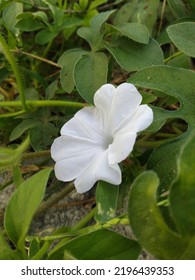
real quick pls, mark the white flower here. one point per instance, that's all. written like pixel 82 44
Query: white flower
pixel 98 137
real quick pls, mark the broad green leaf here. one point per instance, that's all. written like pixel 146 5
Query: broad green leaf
pixel 23 205
pixel 27 22
pixel 70 22
pixel 68 61
pixel 135 31
pixel 9 15
pixel 133 56
pixel 182 192
pixel 180 8
pixel 138 11
pixel 164 161
pixel 44 36
pixel 183 36
pixel 176 82
pixel 90 36
pixel 96 3
pixel 100 19
pixel 106 201
pixel 58 14
pixel 181 61
pixel 51 90
pixel 6 253
pixel 179 83
pixel 11 157
pixel 100 245
pixel 147 223
pixel 21 128
pixel 90 74
pixel 42 135
pixel 83 4
pixel 93 34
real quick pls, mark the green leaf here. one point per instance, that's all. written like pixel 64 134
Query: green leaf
pixel 93 34
pixel 133 56
pixel 135 31
pixel 140 12
pixel 100 19
pixel 94 4
pixel 180 8
pixel 68 61
pixel 100 245
pixel 11 157
pixel 182 192
pixel 176 82
pixel 23 205
pixel 83 4
pixel 147 223
pixel 21 128
pixel 106 201
pixel 90 36
pixel 9 15
pixel 6 253
pixel 183 36
pixel 90 74
pixel 28 22
pixel 42 136
pixel 181 61
pixel 164 161
pixel 179 83
pixel 45 36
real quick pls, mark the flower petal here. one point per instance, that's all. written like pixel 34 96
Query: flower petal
pixel 126 101
pixel 116 104
pixel 98 169
pixel 140 120
pixel 72 155
pixel 68 169
pixel 67 147
pixel 84 124
pixel 121 147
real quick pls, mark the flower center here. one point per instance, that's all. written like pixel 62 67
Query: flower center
pixel 107 141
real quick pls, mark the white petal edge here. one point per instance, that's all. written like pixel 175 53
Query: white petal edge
pixel 98 169
pixel 116 104
pixel 68 169
pixel 121 147
pixel 140 120
pixel 67 147
pixel 84 124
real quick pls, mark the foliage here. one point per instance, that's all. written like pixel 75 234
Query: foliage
pixel 54 56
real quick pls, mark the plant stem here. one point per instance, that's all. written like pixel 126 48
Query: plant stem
pixel 73 233
pixel 55 198
pixel 41 252
pixel 172 56
pixel 85 220
pixel 17 176
pixel 43 103
pixel 36 154
pixel 14 114
pixel 16 71
pixel 36 57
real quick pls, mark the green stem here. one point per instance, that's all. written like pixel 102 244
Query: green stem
pixel 16 71
pixel 42 59
pixel 17 176
pixel 41 252
pixel 73 233
pixel 85 220
pixel 43 103
pixel 172 56
pixel 55 198
pixel 14 114
pixel 36 154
